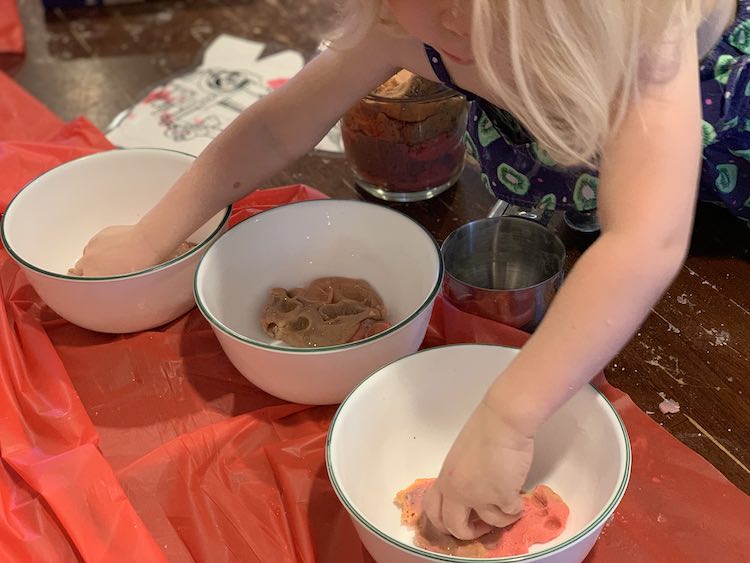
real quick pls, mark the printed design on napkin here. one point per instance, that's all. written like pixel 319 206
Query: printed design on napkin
pixel 190 110
pixel 203 103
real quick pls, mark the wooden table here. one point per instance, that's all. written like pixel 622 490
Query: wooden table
pixel 695 346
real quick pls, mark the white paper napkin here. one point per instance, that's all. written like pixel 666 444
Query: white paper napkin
pixel 190 110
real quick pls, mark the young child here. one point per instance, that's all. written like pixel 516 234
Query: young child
pixel 613 86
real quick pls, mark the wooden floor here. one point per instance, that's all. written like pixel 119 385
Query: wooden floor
pixel 694 348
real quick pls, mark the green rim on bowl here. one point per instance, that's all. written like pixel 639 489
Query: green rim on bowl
pixel 322 349
pixel 600 518
pixel 88 279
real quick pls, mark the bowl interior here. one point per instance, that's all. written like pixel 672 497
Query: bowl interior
pixel 292 245
pixel 398 425
pixel 50 221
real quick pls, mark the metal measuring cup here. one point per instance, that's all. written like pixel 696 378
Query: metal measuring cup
pixel 505 268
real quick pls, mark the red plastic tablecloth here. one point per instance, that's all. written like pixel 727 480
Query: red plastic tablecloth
pixel 11 30
pixel 151 446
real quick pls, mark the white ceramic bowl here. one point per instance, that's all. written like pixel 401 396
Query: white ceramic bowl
pixel 290 246
pixel 398 425
pixel 47 225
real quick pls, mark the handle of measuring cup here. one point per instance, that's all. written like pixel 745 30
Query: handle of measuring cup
pixel 539 214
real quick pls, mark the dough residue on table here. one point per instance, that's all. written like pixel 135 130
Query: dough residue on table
pixel 544 518
pixel 329 311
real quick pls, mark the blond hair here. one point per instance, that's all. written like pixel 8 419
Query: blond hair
pixel 576 65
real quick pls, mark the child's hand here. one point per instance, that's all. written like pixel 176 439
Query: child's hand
pixel 114 251
pixel 480 483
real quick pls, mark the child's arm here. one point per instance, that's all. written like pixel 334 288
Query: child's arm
pixel 647 196
pixel 271 133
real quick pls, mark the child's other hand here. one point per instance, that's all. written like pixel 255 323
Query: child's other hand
pixel 480 483
pixel 114 251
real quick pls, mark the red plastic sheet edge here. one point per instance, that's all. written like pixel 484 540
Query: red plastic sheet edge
pixel 11 29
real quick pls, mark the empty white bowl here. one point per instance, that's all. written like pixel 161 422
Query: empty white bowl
pixel 292 245
pixel 48 224
pixel 399 424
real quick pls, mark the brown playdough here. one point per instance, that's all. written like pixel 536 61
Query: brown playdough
pixel 329 311
pixel 179 251
pixel 407 122
pixel 405 84
pixel 408 135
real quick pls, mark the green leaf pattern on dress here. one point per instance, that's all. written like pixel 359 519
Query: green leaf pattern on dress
pixel 584 193
pixel 512 179
pixel 727 179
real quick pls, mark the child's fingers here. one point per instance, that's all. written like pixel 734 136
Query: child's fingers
pixel 77 269
pixel 494 516
pixel 456 521
pixel 511 504
pixel 433 508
